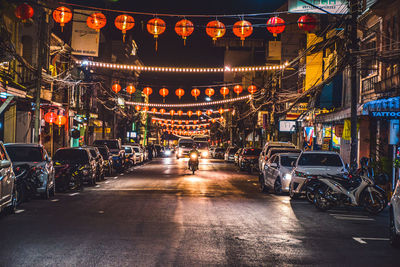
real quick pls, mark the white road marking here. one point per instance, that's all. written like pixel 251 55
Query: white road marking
pixel 101 211
pixel 354 218
pixel 55 200
pixel 19 211
pixel 74 194
pixel 107 182
pixel 121 174
pixel 98 186
pixel 361 239
pixel 255 184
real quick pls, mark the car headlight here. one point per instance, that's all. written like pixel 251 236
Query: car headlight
pixel 204 154
pixel 168 152
pixel 287 176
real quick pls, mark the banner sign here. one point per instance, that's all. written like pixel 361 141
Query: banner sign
pixel 331 6
pixel 385 114
pixel 287 126
pixel 85 41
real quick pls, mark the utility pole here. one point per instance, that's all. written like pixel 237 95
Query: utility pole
pixel 353 47
pixel 40 62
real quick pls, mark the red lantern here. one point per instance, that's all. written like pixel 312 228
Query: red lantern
pixel 147 91
pixel 130 89
pixel 210 92
pixel 242 29
pixel 61 120
pixel 195 92
pixel 156 27
pixel 307 23
pixel 62 15
pixel 180 112
pixel 153 121
pixel 195 122
pixel 252 89
pixel 124 23
pixel 213 120
pixel 224 91
pixel 190 113
pixel 145 108
pixel 180 92
pixel 50 117
pixel 138 108
pixel 154 110
pixel 209 112
pixel 184 28
pixel 215 29
pixel 187 122
pixel 172 112
pixel 172 121
pixel 198 113
pixel 24 12
pixel 179 121
pixel 221 119
pixel 275 25
pixel 162 111
pixel 96 21
pixel 116 88
pixel 164 92
pixel 238 89
pixel 221 111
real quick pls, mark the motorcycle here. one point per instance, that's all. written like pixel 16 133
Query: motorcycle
pixel 26 183
pixel 359 191
pixel 68 178
pixel 310 187
pixel 193 162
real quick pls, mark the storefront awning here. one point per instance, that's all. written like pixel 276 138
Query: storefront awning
pixel 388 104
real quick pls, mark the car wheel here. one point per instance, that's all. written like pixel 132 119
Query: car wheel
pixel 278 186
pixel 13 207
pixel 394 237
pixel 263 187
pixel 292 194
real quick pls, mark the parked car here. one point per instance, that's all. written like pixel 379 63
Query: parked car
pixel 230 154
pixel 277 172
pixel 138 153
pixel 94 151
pixel 118 153
pixel 262 160
pixel 107 159
pixel 219 153
pixel 41 167
pixel 130 155
pixel 8 191
pixel 248 159
pixel 237 154
pixel 275 150
pixel 77 162
pixel 394 213
pixel 311 164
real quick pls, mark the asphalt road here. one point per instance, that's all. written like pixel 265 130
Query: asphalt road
pixel 162 215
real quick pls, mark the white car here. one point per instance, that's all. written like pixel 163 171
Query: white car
pixel 139 154
pixel 311 164
pixel 262 160
pixel 277 172
pixel 395 217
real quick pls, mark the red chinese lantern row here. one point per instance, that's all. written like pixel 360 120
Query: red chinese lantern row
pixel 51 117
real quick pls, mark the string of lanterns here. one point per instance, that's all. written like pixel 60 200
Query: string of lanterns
pixel 199 104
pixel 179 113
pixel 156 119
pixel 52 117
pixel 186 133
pixel 87 63
pixel 157 26
pixel 195 92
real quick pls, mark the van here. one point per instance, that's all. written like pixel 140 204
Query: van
pixel 185 145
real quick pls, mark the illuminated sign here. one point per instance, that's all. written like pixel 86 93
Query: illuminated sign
pixel 287 126
pixel 331 6
pixel 385 114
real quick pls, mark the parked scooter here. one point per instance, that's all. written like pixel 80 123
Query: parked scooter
pixel 193 162
pixel 358 190
pixel 68 178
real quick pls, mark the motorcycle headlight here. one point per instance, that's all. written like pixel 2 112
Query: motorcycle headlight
pixel 287 176
pixel 193 156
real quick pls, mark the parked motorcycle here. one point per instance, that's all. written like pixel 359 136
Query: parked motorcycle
pixel 193 162
pixel 359 190
pixel 68 177
pixel 26 183
pixel 310 186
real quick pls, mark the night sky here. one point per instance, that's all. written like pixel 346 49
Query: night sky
pixel 199 50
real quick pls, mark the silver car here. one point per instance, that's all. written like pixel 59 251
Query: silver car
pixel 263 158
pixel 35 156
pixel 277 172
pixel 8 192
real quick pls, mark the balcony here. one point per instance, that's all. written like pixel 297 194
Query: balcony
pixel 389 85
pixel 368 89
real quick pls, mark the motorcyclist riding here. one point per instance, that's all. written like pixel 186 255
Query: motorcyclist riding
pixel 194 151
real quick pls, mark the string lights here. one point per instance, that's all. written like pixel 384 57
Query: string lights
pixel 86 63
pixel 201 104
pixel 188 113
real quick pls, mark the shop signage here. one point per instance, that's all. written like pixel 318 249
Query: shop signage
pixel 287 126
pixel 331 6
pixel 385 114
pixel 131 134
pixel 85 41
pixel 394 132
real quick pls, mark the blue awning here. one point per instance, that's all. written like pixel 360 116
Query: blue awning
pixel 388 104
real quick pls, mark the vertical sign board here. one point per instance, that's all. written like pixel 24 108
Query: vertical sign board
pixel 394 132
pixel 85 41
pixel 331 6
